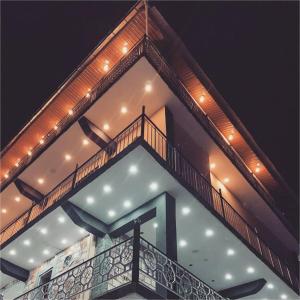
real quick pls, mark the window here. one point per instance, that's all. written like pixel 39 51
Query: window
pixel 44 279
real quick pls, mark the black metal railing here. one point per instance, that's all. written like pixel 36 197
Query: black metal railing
pixel 145 130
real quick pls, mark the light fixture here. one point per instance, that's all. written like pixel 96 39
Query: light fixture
pixel 64 241
pixel 42 141
pixel 270 286
pixel 257 169
pixel 212 166
pixel 125 48
pixel 111 213
pixel 230 252
pixel 107 188
pixel 46 252
pixel 26 242
pixel 283 296
pixel 4 210
pixel 85 142
pixel 12 252
pixel 6 175
pixel 106 66
pixel 61 219
pixel 70 112
pixel 31 260
pixel 55 127
pixel 44 231
pixel 185 210
pixel 230 137
pixel 40 180
pixel 106 126
pixel 148 87
pixel 133 169
pixel 226 180
pixel 209 232
pixel 17 163
pixel 124 110
pixel 88 95
pixel 17 199
pixel 202 98
pixel 90 200
pixel 153 186
pixel 155 225
pixel 228 276
pixel 127 203
pixel 250 270
pixel 182 243
pixel 29 153
pixel 68 157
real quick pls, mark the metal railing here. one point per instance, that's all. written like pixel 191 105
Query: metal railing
pixel 145 130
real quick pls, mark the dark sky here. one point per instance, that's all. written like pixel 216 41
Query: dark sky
pixel 248 49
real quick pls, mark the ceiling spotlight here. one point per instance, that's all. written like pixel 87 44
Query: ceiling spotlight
pixel 250 270
pixel 153 186
pixel 87 95
pixel 85 142
pixel 46 252
pixel 29 153
pixel 148 87
pixel 12 252
pixel 209 232
pixel 185 210
pixel 202 98
pixel 68 157
pixel 106 66
pixel 107 189
pixel 26 242
pixel 61 219
pixel 125 48
pixel 17 163
pixel 283 296
pixel 41 180
pixel 270 286
pixel 133 169
pixel 70 112
pixel 31 260
pixel 228 276
pixel 230 252
pixel 111 213
pixel 64 241
pixel 44 231
pixel 127 204
pixel 155 225
pixel 230 137
pixel 226 180
pixel 4 210
pixel 124 110
pixel 257 169
pixel 6 175
pixel 182 243
pixel 42 141
pixel 55 127
pixel 90 200
pixel 106 126
pixel 212 166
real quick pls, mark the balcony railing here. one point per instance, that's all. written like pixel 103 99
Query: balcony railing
pixel 132 261
pixel 144 130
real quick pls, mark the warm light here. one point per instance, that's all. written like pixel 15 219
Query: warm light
pixel 111 213
pixel 90 200
pixel 124 110
pixel 226 180
pixel 64 241
pixel 228 276
pixel 106 126
pixel 230 252
pixel 283 296
pixel 55 127
pixel 68 157
pixel 42 141
pixel 133 169
pixel 70 112
pixel 212 166
pixel 106 66
pixel 153 186
pixel 87 95
pixel 107 188
pixel 209 232
pixel 27 242
pixel 43 231
pixel 46 252
pixel 250 270
pixel 202 98
pixel 6 175
pixel 257 170
pixel 185 210
pixel 182 243
pixel 148 87
pixel 125 48
pixel 270 286
pixel 4 210
pixel 29 152
pixel 85 142
pixel 155 225
pixel 31 260
pixel 230 137
pixel 40 180
pixel 18 199
pixel 127 204
pixel 17 163
pixel 61 219
pixel 12 252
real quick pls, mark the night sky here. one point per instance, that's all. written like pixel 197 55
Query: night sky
pixel 248 49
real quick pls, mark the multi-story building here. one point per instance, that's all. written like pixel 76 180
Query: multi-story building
pixel 137 180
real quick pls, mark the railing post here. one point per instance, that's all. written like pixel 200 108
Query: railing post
pixel 258 241
pixel 222 204
pixel 143 123
pixel 74 178
pixel 136 251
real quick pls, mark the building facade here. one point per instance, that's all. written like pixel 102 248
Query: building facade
pixel 137 180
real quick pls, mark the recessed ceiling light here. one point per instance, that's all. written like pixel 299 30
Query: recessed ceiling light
pixel 185 210
pixel 106 126
pixel 230 137
pixel 202 98
pixel 43 230
pixel 228 276
pixel 133 169
pixel 250 270
pixel 270 286
pixel 29 152
pixel 127 203
pixel 230 252
pixel 85 142
pixel 212 166
pixel 226 180
pixel 4 210
pixel 124 110
pixel 153 186
pixel 209 232
pixel 125 48
pixel 6 175
pixel 12 252
pixel 155 225
pixel 42 141
pixel 70 112
pixel 148 87
pixel 106 66
pixel 87 95
pixel 26 242
pixel 182 243
pixel 55 127
pixel 46 252
pixel 90 200
pixel 64 241
pixel 107 188
pixel 31 260
pixel 61 219
pixel 68 157
pixel 41 180
pixel 111 213
pixel 18 199
pixel 283 296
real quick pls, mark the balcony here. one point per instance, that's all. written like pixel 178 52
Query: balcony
pixel 143 131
